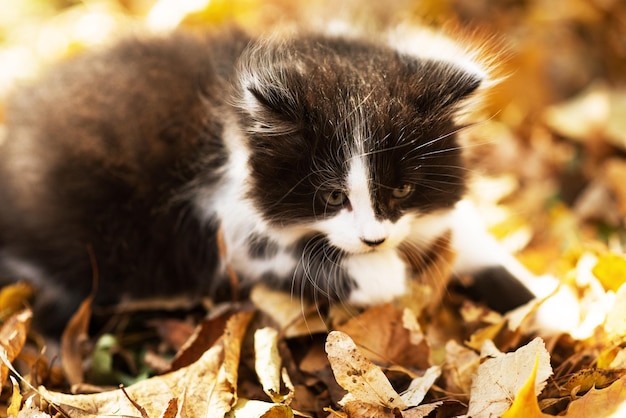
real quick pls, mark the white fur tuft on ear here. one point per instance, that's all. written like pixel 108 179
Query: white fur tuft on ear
pixel 264 72
pixel 425 42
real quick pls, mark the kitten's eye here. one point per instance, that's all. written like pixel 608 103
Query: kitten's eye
pixel 402 192
pixel 335 198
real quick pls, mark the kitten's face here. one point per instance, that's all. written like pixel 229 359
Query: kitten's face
pixel 351 140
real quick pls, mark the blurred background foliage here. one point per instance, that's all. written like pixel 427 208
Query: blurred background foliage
pixel 556 163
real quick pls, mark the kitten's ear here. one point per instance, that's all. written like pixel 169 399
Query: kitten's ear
pixel 440 85
pixel 269 87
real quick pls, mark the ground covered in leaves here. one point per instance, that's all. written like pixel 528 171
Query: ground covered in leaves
pixel 550 183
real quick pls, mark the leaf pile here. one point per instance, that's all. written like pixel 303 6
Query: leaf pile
pixel 550 165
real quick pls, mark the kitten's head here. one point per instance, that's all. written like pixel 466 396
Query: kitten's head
pixel 351 139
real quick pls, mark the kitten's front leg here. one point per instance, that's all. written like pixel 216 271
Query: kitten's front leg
pixel 380 276
pixel 499 280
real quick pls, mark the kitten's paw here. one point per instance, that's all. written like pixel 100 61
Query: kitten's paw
pixel 379 276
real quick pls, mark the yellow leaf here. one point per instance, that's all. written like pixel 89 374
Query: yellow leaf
pixel 489 332
pixel 611 271
pixel 525 403
pixel 14 298
pixel 16 399
pixel 12 338
pixel 501 376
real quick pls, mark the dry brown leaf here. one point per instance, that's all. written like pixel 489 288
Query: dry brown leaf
pixel 73 343
pixel 362 379
pixel 615 172
pixel 357 409
pixel 138 407
pixel 501 376
pixel 389 337
pixel 171 410
pixel 222 391
pixel 581 382
pixel 419 386
pixel 173 332
pixel 206 333
pixel 294 316
pixel 422 411
pixel 188 384
pixel 12 338
pixel 582 117
pixel 268 364
pixel 609 402
pixel 459 368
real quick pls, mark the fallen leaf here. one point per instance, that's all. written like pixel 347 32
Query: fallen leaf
pixel 153 394
pixel 501 376
pixel 173 332
pixel 294 316
pixel 362 379
pixel 246 408
pixel 583 116
pixel 609 402
pixel 389 337
pixel 419 386
pixel 206 333
pixel 29 410
pixel 73 343
pixel 423 411
pixel 525 403
pixel 222 391
pixel 268 363
pixel 358 409
pixel 12 338
pixel 487 333
pixel 138 407
pixel 16 399
pixel 581 382
pixel 459 367
pixel 615 172
pixel 14 298
pixel 610 269
pixel 171 410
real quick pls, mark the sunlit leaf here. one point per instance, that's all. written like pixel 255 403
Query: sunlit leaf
pixel 12 338
pixel 360 377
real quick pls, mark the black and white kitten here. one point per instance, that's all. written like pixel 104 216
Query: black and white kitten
pixel 317 157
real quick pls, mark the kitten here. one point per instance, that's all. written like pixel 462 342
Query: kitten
pixel 317 157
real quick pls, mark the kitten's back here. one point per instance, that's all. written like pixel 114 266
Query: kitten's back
pixel 97 150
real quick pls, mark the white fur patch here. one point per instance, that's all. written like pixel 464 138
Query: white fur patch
pixel 380 276
pixel 424 42
pixel 353 225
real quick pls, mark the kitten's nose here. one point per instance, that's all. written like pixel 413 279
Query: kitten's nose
pixel 373 242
